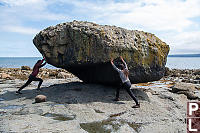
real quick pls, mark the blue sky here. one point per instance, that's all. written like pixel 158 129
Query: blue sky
pixel 177 22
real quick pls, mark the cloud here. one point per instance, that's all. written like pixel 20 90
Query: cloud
pixel 19 2
pixel 187 38
pixel 26 16
pixel 24 10
pixel 156 15
pixel 170 20
pixel 150 15
pixel 185 42
pixel 20 29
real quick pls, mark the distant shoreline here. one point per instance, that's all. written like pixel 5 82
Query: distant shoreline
pixel 184 55
pixel 173 55
pixel 13 68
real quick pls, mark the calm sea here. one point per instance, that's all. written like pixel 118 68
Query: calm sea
pixel 183 62
pixel 17 62
pixel 172 62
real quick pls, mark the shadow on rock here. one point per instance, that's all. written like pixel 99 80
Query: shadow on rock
pixel 77 92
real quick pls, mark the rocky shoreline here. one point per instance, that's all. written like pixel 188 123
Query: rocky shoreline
pixel 23 73
pixel 183 75
pixel 176 75
pixel 73 106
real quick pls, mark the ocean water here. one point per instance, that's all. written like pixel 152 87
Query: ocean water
pixel 172 62
pixel 183 62
pixel 17 62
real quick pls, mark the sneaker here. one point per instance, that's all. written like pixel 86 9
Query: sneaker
pixel 116 99
pixel 18 92
pixel 136 106
pixel 38 89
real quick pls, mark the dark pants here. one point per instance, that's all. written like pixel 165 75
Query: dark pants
pixel 127 87
pixel 30 79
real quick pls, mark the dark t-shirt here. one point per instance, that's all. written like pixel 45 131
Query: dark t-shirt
pixel 36 68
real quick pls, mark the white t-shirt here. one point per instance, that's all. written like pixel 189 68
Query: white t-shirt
pixel 121 73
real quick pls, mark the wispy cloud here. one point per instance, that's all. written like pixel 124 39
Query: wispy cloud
pixel 20 2
pixel 150 14
pixel 158 15
pixel 25 10
pixel 25 16
pixel 20 29
pixel 185 42
pixel 171 20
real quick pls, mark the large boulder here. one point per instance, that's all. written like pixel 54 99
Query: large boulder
pixel 85 49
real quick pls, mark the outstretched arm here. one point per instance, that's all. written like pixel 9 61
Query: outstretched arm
pixel 124 62
pixel 43 59
pixel 43 64
pixel 111 61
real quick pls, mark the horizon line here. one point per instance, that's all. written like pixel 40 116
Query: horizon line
pixel 41 56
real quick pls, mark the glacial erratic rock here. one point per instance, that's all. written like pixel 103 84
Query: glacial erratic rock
pixel 85 49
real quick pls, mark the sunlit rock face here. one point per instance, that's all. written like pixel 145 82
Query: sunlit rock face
pixel 85 49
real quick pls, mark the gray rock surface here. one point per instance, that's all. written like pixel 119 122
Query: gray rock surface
pixel 183 87
pixel 186 89
pixel 85 49
pixel 75 107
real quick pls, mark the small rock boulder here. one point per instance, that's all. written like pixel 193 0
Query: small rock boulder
pixel 25 68
pixel 167 71
pixel 185 88
pixel 40 98
pixel 5 76
pixel 197 72
pixel 182 87
pixel 53 73
pixel 63 75
pixel 190 95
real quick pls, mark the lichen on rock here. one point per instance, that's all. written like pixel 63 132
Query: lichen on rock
pixel 85 49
